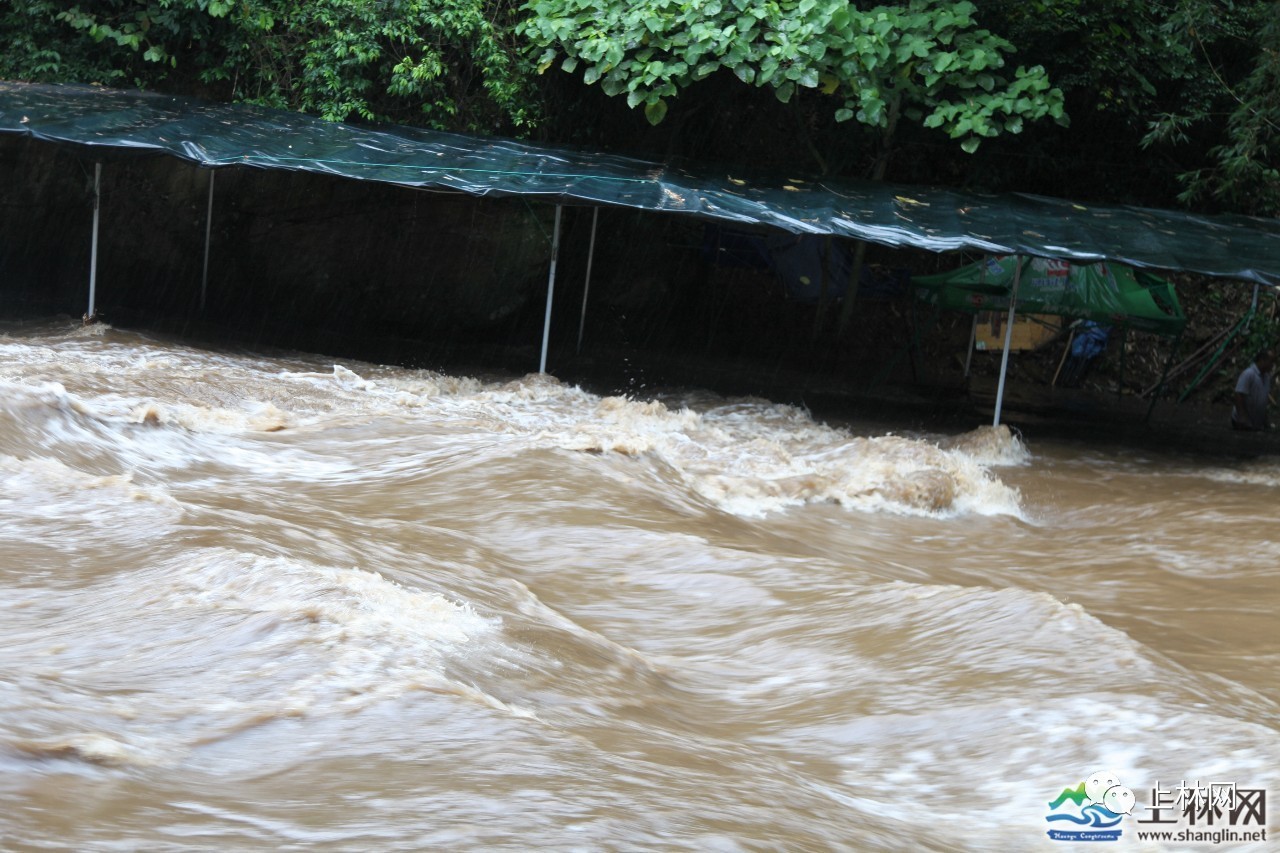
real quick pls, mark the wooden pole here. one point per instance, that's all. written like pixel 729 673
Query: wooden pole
pixel 1071 337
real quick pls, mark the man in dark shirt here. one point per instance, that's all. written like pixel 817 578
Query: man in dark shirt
pixel 1252 390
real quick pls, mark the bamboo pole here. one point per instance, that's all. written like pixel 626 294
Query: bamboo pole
pixel 1071 337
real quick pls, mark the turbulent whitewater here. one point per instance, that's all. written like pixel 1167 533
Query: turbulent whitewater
pixel 276 601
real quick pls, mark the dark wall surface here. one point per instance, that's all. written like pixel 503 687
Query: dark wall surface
pixel 439 280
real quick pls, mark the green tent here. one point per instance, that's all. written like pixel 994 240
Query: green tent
pixel 1109 293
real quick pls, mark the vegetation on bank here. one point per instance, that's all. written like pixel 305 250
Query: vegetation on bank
pixel 1165 103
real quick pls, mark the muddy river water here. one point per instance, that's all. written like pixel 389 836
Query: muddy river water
pixel 255 602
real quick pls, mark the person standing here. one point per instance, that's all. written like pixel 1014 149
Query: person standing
pixel 1087 343
pixel 1252 390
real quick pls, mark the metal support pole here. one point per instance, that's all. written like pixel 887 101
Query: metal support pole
pixel 93 250
pixel 973 341
pixel 551 289
pixel 586 288
pixel 208 227
pixel 1008 339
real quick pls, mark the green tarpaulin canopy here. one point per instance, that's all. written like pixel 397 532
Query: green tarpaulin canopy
pixel 219 135
pixel 1113 294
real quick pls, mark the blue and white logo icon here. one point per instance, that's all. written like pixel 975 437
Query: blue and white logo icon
pixel 1091 811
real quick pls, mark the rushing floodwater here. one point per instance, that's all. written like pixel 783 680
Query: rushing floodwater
pixel 252 603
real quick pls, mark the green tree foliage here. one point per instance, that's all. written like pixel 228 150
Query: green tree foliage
pixel 1193 83
pixel 1116 56
pixel 39 46
pixel 1244 169
pixel 1196 81
pixel 923 60
pixel 443 63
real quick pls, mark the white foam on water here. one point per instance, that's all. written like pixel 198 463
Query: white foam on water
pixel 89 747
pixel 745 457
pixel 253 416
pixel 376 639
pixel 90 330
pixel 1023 756
pixel 219 641
pixel 27 480
pixel 150 440
pixel 748 457
pixel 46 501
pixel 19 398
pixel 990 445
pixel 1259 472
pixel 1258 561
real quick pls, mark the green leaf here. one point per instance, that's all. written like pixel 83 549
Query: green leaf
pixel 705 70
pixel 971 144
pixel 768 68
pixel 656 111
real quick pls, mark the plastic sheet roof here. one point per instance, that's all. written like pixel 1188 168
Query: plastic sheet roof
pixel 221 135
